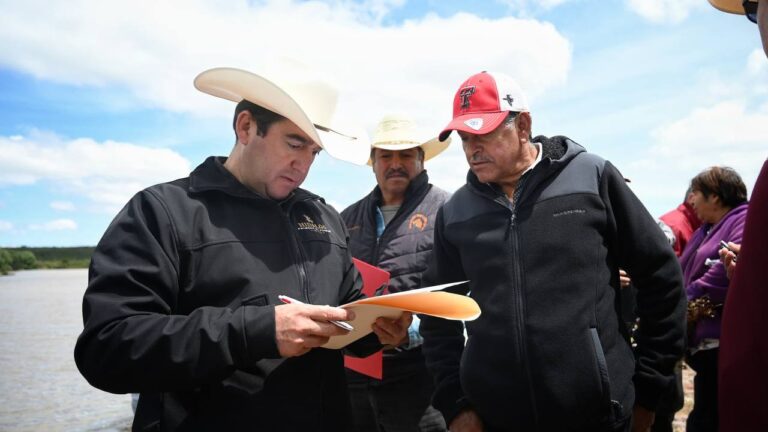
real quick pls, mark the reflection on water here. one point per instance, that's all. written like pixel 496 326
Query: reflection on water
pixel 40 387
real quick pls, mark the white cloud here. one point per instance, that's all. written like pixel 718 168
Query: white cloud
pixel 154 49
pixel 449 169
pixel 377 9
pixel 62 205
pixel 718 118
pixel 107 173
pixel 665 11
pixel 727 127
pixel 5 225
pixel 757 73
pixel 55 225
pixel 727 133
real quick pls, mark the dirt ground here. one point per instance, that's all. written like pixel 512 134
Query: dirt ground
pixel 682 415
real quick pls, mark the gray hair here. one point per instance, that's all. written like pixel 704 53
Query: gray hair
pixel 509 122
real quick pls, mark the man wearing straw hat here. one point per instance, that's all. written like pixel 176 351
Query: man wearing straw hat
pixel 182 302
pixel 392 228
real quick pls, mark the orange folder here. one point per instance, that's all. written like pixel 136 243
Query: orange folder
pixel 373 279
pixel 426 301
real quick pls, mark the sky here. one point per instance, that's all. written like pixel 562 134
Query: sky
pixel 97 101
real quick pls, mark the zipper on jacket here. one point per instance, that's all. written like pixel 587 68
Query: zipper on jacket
pixel 518 308
pixel 298 255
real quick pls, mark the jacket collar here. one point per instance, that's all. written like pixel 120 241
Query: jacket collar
pixel 212 176
pixel 557 152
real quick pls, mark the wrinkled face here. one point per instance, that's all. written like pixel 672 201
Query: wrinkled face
pixel 495 156
pixel 706 208
pixel 278 163
pixel 395 169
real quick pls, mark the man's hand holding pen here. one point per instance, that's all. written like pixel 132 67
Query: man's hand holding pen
pixel 300 327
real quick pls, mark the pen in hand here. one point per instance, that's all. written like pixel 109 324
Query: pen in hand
pixel 341 324
pixel 725 245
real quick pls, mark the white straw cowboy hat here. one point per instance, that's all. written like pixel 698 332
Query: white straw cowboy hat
pixel 398 132
pixel 309 105
pixel 730 6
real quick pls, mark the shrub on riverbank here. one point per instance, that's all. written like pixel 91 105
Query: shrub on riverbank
pixel 26 258
pixel 16 260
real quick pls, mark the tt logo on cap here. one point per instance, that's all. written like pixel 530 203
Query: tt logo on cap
pixel 465 93
pixel 509 99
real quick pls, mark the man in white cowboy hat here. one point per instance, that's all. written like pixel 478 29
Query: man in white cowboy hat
pixel 540 230
pixel 743 355
pixel 182 302
pixel 392 228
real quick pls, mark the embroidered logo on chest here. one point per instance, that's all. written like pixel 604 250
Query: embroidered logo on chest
pixel 310 225
pixel 569 212
pixel 418 221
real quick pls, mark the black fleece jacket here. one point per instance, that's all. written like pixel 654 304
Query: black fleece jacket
pixel 549 352
pixel 181 300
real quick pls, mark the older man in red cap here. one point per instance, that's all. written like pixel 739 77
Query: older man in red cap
pixel 540 230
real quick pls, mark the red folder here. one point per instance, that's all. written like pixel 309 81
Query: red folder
pixel 373 279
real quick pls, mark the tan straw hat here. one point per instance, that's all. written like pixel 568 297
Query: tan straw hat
pixel 309 105
pixel 398 132
pixel 730 6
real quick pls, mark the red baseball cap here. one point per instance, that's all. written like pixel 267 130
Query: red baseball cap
pixel 482 103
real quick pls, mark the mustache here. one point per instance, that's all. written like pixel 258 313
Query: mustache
pixel 479 157
pixel 396 172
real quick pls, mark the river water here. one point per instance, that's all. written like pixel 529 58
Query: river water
pixel 40 387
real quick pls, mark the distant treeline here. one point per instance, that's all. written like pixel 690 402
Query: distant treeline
pixel 25 258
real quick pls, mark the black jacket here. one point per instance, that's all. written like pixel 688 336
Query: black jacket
pixel 549 352
pixel 180 307
pixel 402 249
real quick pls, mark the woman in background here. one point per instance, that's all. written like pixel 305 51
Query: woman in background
pixel 720 201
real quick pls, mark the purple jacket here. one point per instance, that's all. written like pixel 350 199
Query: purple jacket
pixel 701 279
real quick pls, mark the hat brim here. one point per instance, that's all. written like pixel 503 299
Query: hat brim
pixel 308 105
pixel 431 148
pixel 475 123
pixel 730 6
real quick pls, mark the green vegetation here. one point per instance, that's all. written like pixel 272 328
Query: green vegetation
pixel 25 258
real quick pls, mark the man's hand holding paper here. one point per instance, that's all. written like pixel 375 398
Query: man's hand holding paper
pixel 393 332
pixel 429 301
pixel 301 327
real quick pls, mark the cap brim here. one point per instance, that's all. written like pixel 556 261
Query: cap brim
pixel 475 123
pixel 730 6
